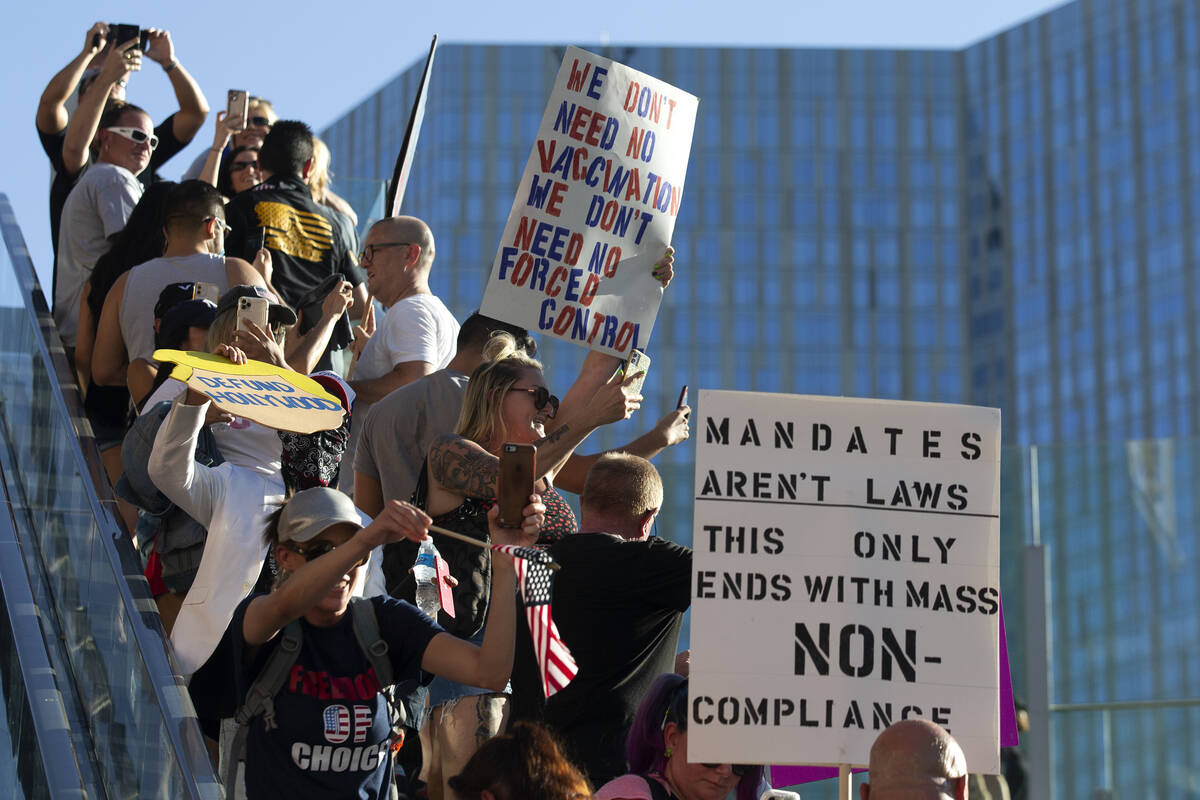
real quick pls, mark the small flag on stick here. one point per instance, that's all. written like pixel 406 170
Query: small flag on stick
pixel 556 664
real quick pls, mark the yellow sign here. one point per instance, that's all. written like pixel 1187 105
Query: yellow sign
pixel 269 395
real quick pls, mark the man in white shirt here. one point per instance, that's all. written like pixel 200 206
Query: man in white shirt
pixel 418 333
pixel 99 206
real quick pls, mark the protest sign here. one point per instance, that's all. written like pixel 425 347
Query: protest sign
pixel 846 576
pixel 595 208
pixel 264 393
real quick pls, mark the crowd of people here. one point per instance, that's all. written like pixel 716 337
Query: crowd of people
pixel 281 562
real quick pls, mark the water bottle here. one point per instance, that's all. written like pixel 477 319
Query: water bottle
pixel 425 574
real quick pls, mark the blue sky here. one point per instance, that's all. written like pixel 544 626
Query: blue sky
pixel 316 60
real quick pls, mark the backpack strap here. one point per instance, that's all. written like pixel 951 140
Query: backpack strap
pixel 373 646
pixel 260 698
pixel 366 631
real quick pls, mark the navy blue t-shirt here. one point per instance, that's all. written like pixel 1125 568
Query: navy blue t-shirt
pixel 331 739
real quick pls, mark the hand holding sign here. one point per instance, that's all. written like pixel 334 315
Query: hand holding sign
pixel 269 395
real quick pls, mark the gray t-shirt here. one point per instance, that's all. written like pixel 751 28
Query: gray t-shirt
pixel 146 281
pixel 398 430
pixel 96 208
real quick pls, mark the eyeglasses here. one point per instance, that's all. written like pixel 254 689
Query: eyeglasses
pixel 368 252
pixel 318 549
pixel 238 166
pixel 541 397
pixel 677 712
pixel 225 226
pixel 135 135
pixel 259 122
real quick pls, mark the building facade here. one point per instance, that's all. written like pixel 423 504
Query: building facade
pixel 1015 224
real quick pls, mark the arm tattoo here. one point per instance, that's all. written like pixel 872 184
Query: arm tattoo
pixel 459 467
pixel 553 436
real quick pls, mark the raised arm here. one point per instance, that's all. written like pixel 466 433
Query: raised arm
pixel 172 465
pixel 668 431
pixel 463 467
pixel 117 66
pixel 305 351
pixel 212 160
pixel 52 107
pixel 267 615
pixel 193 107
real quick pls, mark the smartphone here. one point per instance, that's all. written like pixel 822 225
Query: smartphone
pixel 682 397
pixel 120 33
pixel 238 109
pixel 206 291
pixel 638 362
pixel 515 481
pixel 253 309
pixel 262 241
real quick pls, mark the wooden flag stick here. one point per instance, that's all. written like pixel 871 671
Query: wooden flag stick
pixel 553 565
pixel 845 782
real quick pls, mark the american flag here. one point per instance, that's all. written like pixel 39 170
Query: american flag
pixel 535 579
pixel 362 722
pixel 337 724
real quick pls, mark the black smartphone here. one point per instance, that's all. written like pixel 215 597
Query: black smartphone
pixel 120 33
pixel 515 481
pixel 682 397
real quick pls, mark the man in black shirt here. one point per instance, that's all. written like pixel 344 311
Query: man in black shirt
pixel 68 142
pixel 618 603
pixel 309 243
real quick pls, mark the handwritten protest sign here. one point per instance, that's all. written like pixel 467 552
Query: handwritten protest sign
pixel 846 576
pixel 269 395
pixel 595 208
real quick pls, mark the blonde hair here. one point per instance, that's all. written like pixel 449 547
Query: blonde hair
pixel 319 176
pixel 222 328
pixel 503 361
pixel 624 485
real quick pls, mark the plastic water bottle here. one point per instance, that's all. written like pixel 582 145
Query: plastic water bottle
pixel 425 574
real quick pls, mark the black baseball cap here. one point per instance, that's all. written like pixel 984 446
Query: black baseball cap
pixel 173 327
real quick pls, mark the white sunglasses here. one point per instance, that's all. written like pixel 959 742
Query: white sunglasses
pixel 135 135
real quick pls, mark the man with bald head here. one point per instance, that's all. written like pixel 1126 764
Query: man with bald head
pixel 916 759
pixel 417 334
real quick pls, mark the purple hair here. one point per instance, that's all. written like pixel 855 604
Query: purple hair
pixel 667 700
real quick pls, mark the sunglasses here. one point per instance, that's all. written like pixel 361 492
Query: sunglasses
pixel 368 252
pixel 318 549
pixel 135 135
pixel 225 226
pixel 541 397
pixel 258 122
pixel 238 166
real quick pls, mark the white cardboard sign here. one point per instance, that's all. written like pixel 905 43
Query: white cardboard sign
pixel 595 208
pixel 846 576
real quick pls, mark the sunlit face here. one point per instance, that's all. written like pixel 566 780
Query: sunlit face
pixel 384 258
pixel 525 422
pixel 337 599
pixel 258 125
pixel 123 151
pixel 695 781
pixel 244 172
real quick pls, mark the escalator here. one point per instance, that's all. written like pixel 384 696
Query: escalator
pixel 92 704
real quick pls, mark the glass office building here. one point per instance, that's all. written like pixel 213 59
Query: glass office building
pixel 1013 224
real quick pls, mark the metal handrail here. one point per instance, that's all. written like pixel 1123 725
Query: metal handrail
pixel 183 733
